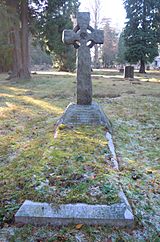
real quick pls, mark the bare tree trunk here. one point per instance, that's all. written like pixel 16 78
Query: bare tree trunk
pixel 25 39
pixel 18 65
pixel 142 66
pixel 144 23
pixel 96 61
pixel 16 42
pixel 96 12
pixel 19 39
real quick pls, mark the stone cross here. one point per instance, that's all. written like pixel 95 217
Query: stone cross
pixel 83 37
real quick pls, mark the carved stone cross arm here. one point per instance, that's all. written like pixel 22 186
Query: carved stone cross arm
pixel 96 37
pixel 74 37
pixel 70 37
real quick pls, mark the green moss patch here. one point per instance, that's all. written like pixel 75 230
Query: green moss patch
pixel 76 167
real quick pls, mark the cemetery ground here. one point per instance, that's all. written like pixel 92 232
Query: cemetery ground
pixel 74 166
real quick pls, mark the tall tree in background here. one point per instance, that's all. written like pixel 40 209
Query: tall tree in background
pixel 6 23
pixel 121 50
pixel 54 18
pixel 156 19
pixel 94 8
pixel 141 31
pixel 19 35
pixel 24 17
pixel 109 49
pixel 95 18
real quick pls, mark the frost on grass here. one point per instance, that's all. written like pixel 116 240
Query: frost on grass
pixel 28 112
pixel 76 166
pixel 137 139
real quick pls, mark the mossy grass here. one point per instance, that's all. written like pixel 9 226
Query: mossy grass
pixel 77 166
pixel 68 169
pixel 34 164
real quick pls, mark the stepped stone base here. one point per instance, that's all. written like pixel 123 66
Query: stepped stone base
pixel 36 213
pixel 85 115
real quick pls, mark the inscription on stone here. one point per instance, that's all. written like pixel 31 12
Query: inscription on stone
pixel 85 114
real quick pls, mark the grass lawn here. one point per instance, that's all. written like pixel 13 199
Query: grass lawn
pixel 72 167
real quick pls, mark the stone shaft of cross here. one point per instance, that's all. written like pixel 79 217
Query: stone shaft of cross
pixel 83 37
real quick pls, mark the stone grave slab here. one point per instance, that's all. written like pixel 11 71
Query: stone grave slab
pixel 36 213
pixel 83 37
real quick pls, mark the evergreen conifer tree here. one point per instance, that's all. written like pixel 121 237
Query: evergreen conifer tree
pixel 56 17
pixel 121 50
pixel 141 31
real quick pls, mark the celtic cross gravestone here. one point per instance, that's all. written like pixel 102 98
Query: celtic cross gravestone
pixel 83 37
pixel 84 112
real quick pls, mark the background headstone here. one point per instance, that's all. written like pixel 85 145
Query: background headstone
pixel 129 72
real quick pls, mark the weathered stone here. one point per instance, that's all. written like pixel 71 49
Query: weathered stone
pixel 83 41
pixel 129 72
pixel 119 214
pixel 85 115
pixel 113 160
pixel 84 37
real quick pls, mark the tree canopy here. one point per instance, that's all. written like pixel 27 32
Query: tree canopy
pixel 17 33
pixel 141 31
pixel 55 17
pixel 121 49
pixel 46 20
pixel 7 19
pixel 109 49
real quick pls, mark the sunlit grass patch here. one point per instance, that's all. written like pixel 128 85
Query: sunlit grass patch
pixel 33 101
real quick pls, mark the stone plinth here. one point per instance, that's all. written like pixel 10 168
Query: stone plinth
pixel 85 115
pixel 36 213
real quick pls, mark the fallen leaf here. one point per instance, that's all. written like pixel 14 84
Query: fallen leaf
pixel 79 226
